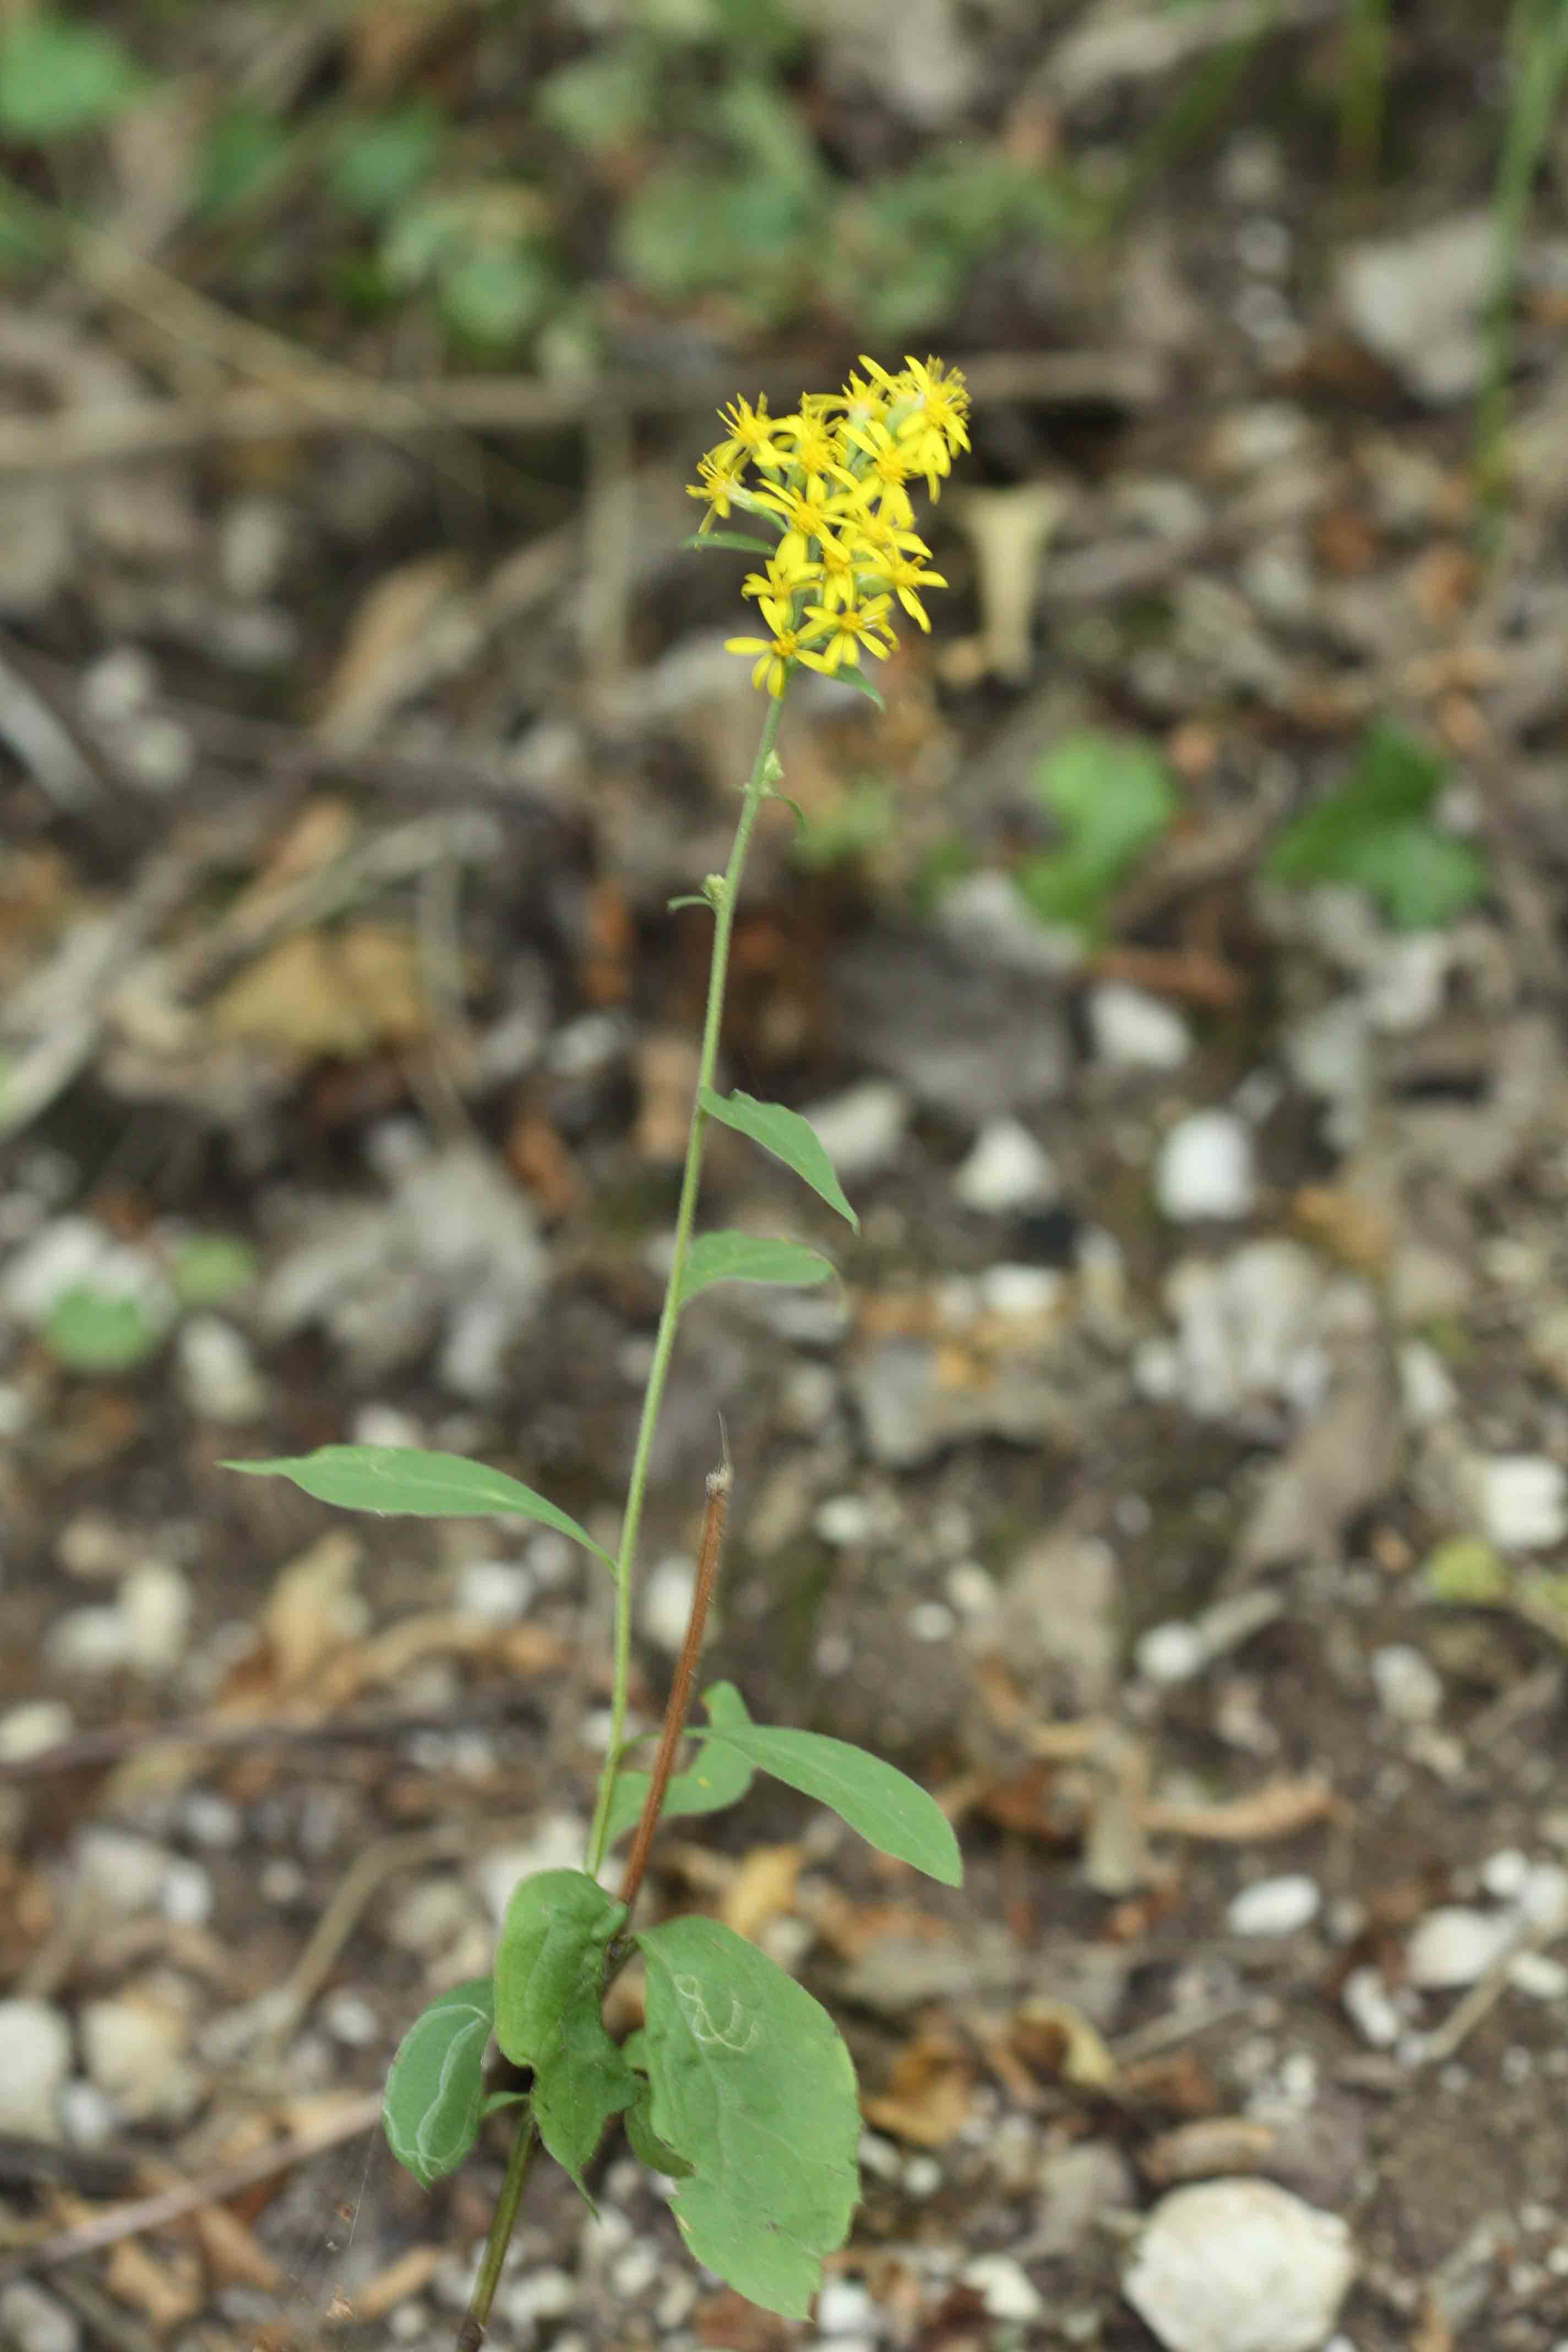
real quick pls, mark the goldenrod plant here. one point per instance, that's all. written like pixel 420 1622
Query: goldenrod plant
pixel 737 2086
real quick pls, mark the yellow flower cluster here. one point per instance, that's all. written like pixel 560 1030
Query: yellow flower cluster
pixel 831 482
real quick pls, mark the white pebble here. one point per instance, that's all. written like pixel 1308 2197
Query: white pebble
pixel 1170 1654
pixel 34 2060
pixel 1506 1873
pixel 123 1873
pixel 217 1372
pixel 1544 1898
pixel 89 1642
pixel 973 1591
pixel 844 2307
pixel 1005 2288
pixel 933 1620
pixel 879 2156
pixel 211 1819
pixel 384 1425
pixel 862 1128
pixel 1134 1031
pixel 134 2053
pixel 1427 1392
pixel 846 1520
pixel 633 2272
pixel 556 1844
pixel 497 1591
pixel 157 1603
pixel 31 2320
pixel 1239 2266
pixel 1409 1687
pixel 1275 1907
pixel 86 2114
pixel 922 2177
pixel 1524 1501
pixel 38 1725
pixel 1453 1945
pixel 1367 2002
pixel 1204 1169
pixel 1021 1293
pixel 185 1895
pixel 666 1604
pixel 350 2019
pixel 1005 1170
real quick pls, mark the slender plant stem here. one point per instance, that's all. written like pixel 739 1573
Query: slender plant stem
pixel 723 899
pixel 1363 76
pixel 471 2334
pixel 719 1485
pixel 1536 44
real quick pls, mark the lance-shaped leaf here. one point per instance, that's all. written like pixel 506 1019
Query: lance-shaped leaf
pixel 889 1810
pixel 433 2102
pixel 719 1777
pixel 405 1478
pixel 732 539
pixel 549 1981
pixel 751 2087
pixel 787 1135
pixel 750 1257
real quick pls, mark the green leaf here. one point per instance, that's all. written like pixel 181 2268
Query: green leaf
pixel 209 1269
pixel 646 2143
pixel 243 150
pixel 750 1257
pixel 382 162
pixel 891 1812
pixel 405 1478
pixel 92 1330
pixel 1112 798
pixel 435 2103
pixel 786 1136
pixel 1375 833
pixel 737 539
pixel 719 1777
pixel 495 297
pixel 751 2085
pixel 852 674
pixel 59 78
pixel 550 1979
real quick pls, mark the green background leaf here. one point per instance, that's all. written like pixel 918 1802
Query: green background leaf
pixel 550 1978
pixel 405 1478
pixel 750 1257
pixel 433 2102
pixel 1112 798
pixel 891 1812
pixel 58 78
pixel 786 1136
pixel 1375 832
pixel 752 2086
pixel 719 1777
pixel 93 1330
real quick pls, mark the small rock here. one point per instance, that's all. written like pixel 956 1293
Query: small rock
pixel 862 1129
pixel 1239 2265
pixel 185 1895
pixel 31 2320
pixel 157 1603
pixel 497 1591
pixel 921 2176
pixel 88 2117
pixel 1454 1946
pixel 1367 2003
pixel 34 2061
pixel 1409 1687
pixel 1539 1975
pixel 844 2307
pixel 134 2048
pixel 33 1728
pixel 1056 1625
pixel 1417 301
pixel 89 1642
pixel 1204 1169
pixel 1134 1031
pixel 666 1604
pixel 1078 2184
pixel 1426 1389
pixel 1170 1654
pixel 1275 1907
pixel 90 1546
pixel 1006 2288
pixel 1544 1898
pixel 1506 1873
pixel 1022 1294
pixel 384 1425
pixel 1005 1170
pixel 846 1520
pixel 217 1372
pixel 933 1620
pixel 1524 1501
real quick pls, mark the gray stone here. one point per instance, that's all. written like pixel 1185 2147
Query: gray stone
pixel 34 2061
pixel 1240 2265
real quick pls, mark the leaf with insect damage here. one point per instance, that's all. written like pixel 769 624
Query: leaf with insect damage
pixel 550 1983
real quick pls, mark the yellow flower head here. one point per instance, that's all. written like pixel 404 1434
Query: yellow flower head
pixel 835 493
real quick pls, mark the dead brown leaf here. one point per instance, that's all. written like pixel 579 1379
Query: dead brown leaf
pixel 1059 2045
pixel 928 2091
pixel 762 1889
pixel 1200 2150
pixel 366 681
pixel 165 2292
pixel 314 1608
pixel 320 993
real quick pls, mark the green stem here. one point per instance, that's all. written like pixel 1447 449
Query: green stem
pixel 470 2336
pixel 685 1217
pixel 1538 50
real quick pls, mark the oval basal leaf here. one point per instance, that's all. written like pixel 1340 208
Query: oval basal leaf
pixel 433 2102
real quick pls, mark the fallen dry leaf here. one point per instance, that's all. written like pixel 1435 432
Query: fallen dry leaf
pixel 762 1889
pixel 321 992
pixel 928 2095
pixel 165 2292
pixel 1058 2043
pixel 313 1609
pixel 393 617
pixel 1212 2145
